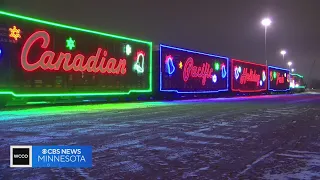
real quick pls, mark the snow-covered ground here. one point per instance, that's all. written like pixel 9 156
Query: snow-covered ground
pixel 272 137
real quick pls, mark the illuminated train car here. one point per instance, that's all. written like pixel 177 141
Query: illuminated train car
pixel 50 61
pixel 47 62
pixel 297 83
pixel 279 80
pixel 187 73
pixel 248 78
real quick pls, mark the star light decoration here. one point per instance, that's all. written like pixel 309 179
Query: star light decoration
pixel 70 43
pixel 14 33
pixel 180 65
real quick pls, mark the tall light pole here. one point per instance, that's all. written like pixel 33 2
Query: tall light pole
pixel 265 22
pixel 283 52
pixel 289 63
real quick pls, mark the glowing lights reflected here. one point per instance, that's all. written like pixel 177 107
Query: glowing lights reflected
pixel 70 110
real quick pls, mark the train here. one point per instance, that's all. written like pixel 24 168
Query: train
pixel 49 62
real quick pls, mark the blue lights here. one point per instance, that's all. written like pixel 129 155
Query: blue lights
pixel 170 69
pixel 287 71
pixel 170 65
pixel 223 71
pixel 237 72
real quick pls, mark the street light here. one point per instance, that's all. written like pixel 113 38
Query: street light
pixel 289 63
pixel 283 52
pixel 292 70
pixel 265 22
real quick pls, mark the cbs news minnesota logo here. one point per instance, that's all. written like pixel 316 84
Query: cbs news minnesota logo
pixel 51 156
pixel 20 156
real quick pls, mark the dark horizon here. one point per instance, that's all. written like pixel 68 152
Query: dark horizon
pixel 229 28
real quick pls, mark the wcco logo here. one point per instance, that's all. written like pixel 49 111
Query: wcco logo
pixel 20 156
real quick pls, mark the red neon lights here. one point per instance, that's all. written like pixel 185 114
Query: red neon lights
pixel 280 79
pixel 234 64
pixel 249 76
pixel 204 72
pixel 46 61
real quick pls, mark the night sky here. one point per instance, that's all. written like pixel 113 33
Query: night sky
pixel 226 27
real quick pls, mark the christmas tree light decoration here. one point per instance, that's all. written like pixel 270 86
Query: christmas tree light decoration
pixel 170 65
pixel 180 65
pixel 128 49
pixel 14 33
pixel 223 71
pixel 139 64
pixel 214 78
pixel 216 66
pixel 70 43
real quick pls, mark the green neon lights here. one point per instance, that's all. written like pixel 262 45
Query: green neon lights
pixel 71 27
pixel 70 43
pixel 6 92
pixel 71 94
pixel 274 75
pixel 297 75
pixel 217 66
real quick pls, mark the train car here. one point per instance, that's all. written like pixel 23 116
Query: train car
pixel 279 80
pixel 47 61
pixel 248 78
pixel 188 73
pixel 297 83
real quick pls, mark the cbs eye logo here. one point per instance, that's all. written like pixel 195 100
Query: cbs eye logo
pixel 20 156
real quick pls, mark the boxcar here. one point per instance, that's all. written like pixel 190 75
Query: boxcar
pixel 47 61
